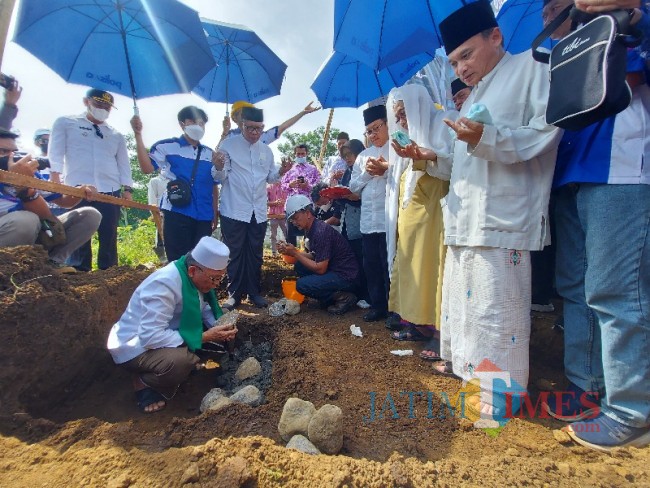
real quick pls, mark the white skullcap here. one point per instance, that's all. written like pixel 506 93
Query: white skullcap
pixel 211 253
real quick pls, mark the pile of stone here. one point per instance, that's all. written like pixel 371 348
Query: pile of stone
pixel 309 430
pixel 217 398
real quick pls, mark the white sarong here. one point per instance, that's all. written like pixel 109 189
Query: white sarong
pixel 485 319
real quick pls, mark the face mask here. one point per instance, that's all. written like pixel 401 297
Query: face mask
pixel 4 163
pixel 98 113
pixel 301 160
pixel 194 132
pixel 43 145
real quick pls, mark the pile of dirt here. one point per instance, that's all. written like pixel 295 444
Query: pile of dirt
pixel 68 417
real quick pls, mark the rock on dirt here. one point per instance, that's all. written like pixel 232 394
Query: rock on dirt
pixel 250 395
pixel 326 429
pixel 302 444
pixel 233 473
pixel 295 418
pixel 250 368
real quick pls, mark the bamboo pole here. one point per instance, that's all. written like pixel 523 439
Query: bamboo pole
pixel 326 136
pixel 30 182
pixel 6 9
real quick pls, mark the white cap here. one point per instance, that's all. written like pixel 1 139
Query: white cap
pixel 42 132
pixel 211 253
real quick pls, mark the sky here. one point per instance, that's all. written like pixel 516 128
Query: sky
pixel 300 32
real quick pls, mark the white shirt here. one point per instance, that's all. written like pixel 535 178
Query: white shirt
pixel 371 189
pixel 153 316
pixel 83 157
pixel 499 190
pixel 247 169
pixel 331 166
pixel 156 188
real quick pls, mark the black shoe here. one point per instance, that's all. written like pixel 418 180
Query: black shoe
pixel 394 321
pixel 375 315
pixel 259 301
pixel 343 301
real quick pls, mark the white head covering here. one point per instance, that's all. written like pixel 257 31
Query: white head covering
pixel 426 128
pixel 211 253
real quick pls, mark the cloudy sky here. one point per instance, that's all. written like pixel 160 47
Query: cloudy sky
pixel 300 32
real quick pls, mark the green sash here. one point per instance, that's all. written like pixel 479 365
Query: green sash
pixel 191 329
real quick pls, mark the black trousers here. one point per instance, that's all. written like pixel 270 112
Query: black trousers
pixel 357 249
pixel 246 243
pixel 106 234
pixel 182 233
pixel 375 264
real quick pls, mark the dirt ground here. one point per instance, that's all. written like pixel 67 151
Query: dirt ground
pixel 68 417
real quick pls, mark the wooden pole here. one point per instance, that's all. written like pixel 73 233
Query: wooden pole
pixel 30 182
pixel 326 136
pixel 6 9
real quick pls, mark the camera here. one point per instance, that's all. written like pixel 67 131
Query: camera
pixel 6 81
pixel 43 163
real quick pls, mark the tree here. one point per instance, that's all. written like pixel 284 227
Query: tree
pixel 313 140
pixel 140 181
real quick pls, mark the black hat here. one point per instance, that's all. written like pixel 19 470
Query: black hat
pixel 466 22
pixel 7 134
pixel 457 85
pixel 374 113
pixel 100 96
pixel 252 114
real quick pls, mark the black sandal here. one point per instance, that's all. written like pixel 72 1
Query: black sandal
pixel 147 397
pixel 432 346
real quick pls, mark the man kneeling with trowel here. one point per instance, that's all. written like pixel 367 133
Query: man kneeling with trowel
pixel 170 315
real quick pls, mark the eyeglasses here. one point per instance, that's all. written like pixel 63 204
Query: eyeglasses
pixel 215 279
pixel 98 132
pixel 254 129
pixel 374 130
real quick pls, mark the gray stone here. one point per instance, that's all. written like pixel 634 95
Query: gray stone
pixel 214 397
pixel 191 474
pixel 326 429
pixel 248 369
pixel 249 395
pixel 295 418
pixel 302 444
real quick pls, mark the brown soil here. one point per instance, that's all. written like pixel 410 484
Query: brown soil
pixel 68 417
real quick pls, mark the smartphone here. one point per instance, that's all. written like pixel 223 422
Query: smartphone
pixel 401 138
pixel 6 81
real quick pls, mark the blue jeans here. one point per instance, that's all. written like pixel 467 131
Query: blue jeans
pixel 321 287
pixel 603 274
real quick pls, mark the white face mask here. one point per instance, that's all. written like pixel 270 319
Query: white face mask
pixel 194 132
pixel 98 113
pixel 301 160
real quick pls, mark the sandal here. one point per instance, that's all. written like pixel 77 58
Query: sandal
pixel 147 397
pixel 431 350
pixel 409 333
pixel 394 321
pixel 444 368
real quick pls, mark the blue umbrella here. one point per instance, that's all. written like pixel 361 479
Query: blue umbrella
pixel 246 68
pixel 140 48
pixel 345 82
pixel 381 32
pixel 521 21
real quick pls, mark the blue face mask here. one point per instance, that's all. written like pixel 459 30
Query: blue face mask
pixel 301 160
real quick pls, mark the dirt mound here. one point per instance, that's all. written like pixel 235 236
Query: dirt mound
pixel 68 417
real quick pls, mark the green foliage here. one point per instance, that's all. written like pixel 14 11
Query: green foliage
pixel 132 216
pixel 134 244
pixel 313 139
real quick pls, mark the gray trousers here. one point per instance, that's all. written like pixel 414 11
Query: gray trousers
pixel 163 369
pixel 21 228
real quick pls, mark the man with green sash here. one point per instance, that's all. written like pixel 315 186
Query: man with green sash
pixel 170 315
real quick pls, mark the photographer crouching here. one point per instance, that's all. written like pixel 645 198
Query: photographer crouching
pixel 26 219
